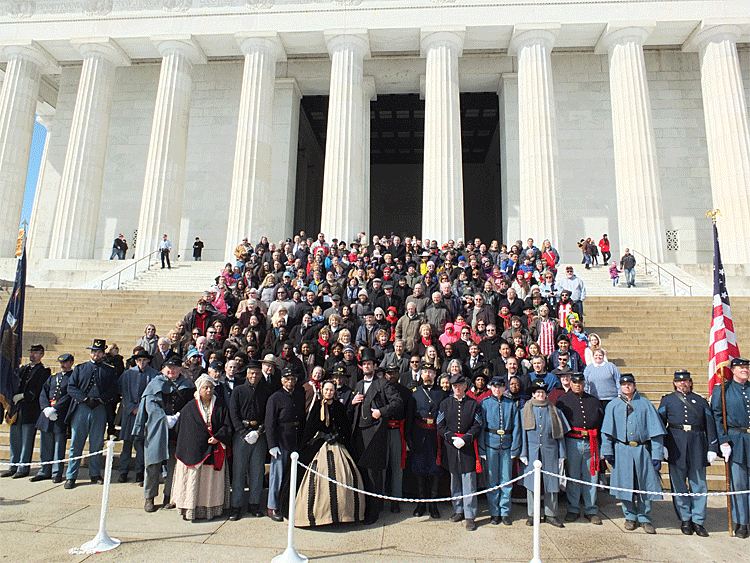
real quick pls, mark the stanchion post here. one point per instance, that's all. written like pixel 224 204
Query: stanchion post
pixel 537 509
pixel 290 554
pixel 102 541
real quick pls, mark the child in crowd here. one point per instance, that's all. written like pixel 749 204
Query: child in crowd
pixel 614 274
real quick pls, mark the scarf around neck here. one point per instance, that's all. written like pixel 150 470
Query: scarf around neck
pixel 529 421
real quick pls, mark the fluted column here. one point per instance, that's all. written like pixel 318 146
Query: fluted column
pixel 443 186
pixel 163 187
pixel 250 211
pixel 639 209
pixel 537 132
pixel 727 136
pixel 18 99
pixel 368 94
pixel 76 218
pixel 343 212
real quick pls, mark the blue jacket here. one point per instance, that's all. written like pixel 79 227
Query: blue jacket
pixel 105 387
pixel 738 416
pixel 508 418
pixel 687 448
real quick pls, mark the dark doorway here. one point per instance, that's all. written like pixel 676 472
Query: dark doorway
pixel 396 164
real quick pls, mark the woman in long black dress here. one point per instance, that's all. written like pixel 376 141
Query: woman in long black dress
pixel 325 441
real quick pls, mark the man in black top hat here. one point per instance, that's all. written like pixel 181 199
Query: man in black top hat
pixel 31 378
pixel 691 446
pixel 132 385
pixel 247 408
pixel 375 403
pixel 584 414
pixel 459 422
pixel 91 385
pixel 54 402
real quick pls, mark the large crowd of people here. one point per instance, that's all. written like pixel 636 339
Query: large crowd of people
pixel 401 367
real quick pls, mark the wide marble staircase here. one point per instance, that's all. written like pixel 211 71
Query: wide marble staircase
pixel 647 335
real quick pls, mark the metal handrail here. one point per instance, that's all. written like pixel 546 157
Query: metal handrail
pixel 660 270
pixel 119 272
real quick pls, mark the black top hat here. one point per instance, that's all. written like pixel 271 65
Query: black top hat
pixel 682 375
pixel 99 344
pixel 141 354
pixel 368 355
pixel 65 358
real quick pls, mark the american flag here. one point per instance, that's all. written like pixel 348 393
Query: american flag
pixel 722 345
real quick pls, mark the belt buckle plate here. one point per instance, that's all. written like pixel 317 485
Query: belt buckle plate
pixel 633 444
pixel 687 427
pixel 501 432
pixel 429 421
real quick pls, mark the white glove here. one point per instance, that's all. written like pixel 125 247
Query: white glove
pixel 172 420
pixel 275 452
pixel 726 451
pixel 458 443
pixel 711 457
pixel 252 437
pixel 49 412
pixel 18 397
pixel 484 457
pixel 666 454
pixel 524 460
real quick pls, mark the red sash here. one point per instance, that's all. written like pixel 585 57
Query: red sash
pixel 400 425
pixel 478 463
pixel 593 445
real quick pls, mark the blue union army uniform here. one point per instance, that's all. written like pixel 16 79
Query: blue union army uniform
pixel 499 441
pixel 632 440
pixel 737 436
pixel 91 385
pixel 691 435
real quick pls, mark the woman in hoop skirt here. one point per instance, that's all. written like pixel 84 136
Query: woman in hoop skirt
pixel 324 449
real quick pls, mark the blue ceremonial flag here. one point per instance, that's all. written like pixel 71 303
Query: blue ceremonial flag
pixel 11 345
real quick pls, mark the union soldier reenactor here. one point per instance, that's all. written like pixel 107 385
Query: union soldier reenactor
pixel 691 446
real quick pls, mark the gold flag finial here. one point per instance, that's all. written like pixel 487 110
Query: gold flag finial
pixel 713 214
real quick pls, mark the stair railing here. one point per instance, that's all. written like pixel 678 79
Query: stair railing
pixel 662 272
pixel 119 273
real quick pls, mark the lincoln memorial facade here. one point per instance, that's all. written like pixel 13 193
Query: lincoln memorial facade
pixel 500 119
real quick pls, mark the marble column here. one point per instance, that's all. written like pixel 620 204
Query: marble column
pixel 251 213
pixel 639 208
pixel 163 187
pixel 18 99
pixel 77 216
pixel 368 94
pixel 443 186
pixel 537 133
pixel 286 108
pixel 727 136
pixel 343 212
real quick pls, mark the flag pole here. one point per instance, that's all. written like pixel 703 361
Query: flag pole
pixel 720 369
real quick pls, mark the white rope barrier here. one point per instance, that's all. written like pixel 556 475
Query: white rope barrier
pixel 33 463
pixel 102 541
pixel 640 492
pixel 398 499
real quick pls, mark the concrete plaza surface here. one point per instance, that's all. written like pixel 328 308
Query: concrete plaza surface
pixel 40 522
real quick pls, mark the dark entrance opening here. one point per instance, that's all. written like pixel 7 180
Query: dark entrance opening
pixel 396 164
